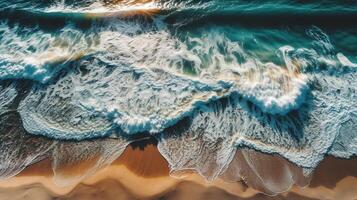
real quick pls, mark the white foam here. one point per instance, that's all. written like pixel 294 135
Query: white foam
pixel 304 137
pixel 7 96
pixel 143 79
pixel 345 61
pixel 34 54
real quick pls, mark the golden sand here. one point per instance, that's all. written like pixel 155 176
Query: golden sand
pixel 142 173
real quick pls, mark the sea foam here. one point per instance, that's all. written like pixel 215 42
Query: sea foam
pixel 31 53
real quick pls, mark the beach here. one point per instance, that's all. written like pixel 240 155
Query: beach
pixel 142 173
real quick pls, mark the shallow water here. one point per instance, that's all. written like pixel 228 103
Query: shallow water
pixel 204 77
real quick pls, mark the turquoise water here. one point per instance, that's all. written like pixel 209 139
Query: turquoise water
pixel 204 77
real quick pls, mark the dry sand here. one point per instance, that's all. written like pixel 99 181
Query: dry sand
pixel 142 173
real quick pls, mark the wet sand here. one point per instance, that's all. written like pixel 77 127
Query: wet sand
pixel 142 173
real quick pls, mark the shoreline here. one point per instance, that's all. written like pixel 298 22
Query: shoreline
pixel 142 173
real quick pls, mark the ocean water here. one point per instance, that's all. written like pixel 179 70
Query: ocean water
pixel 205 78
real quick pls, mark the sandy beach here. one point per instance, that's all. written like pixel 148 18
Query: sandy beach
pixel 142 173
